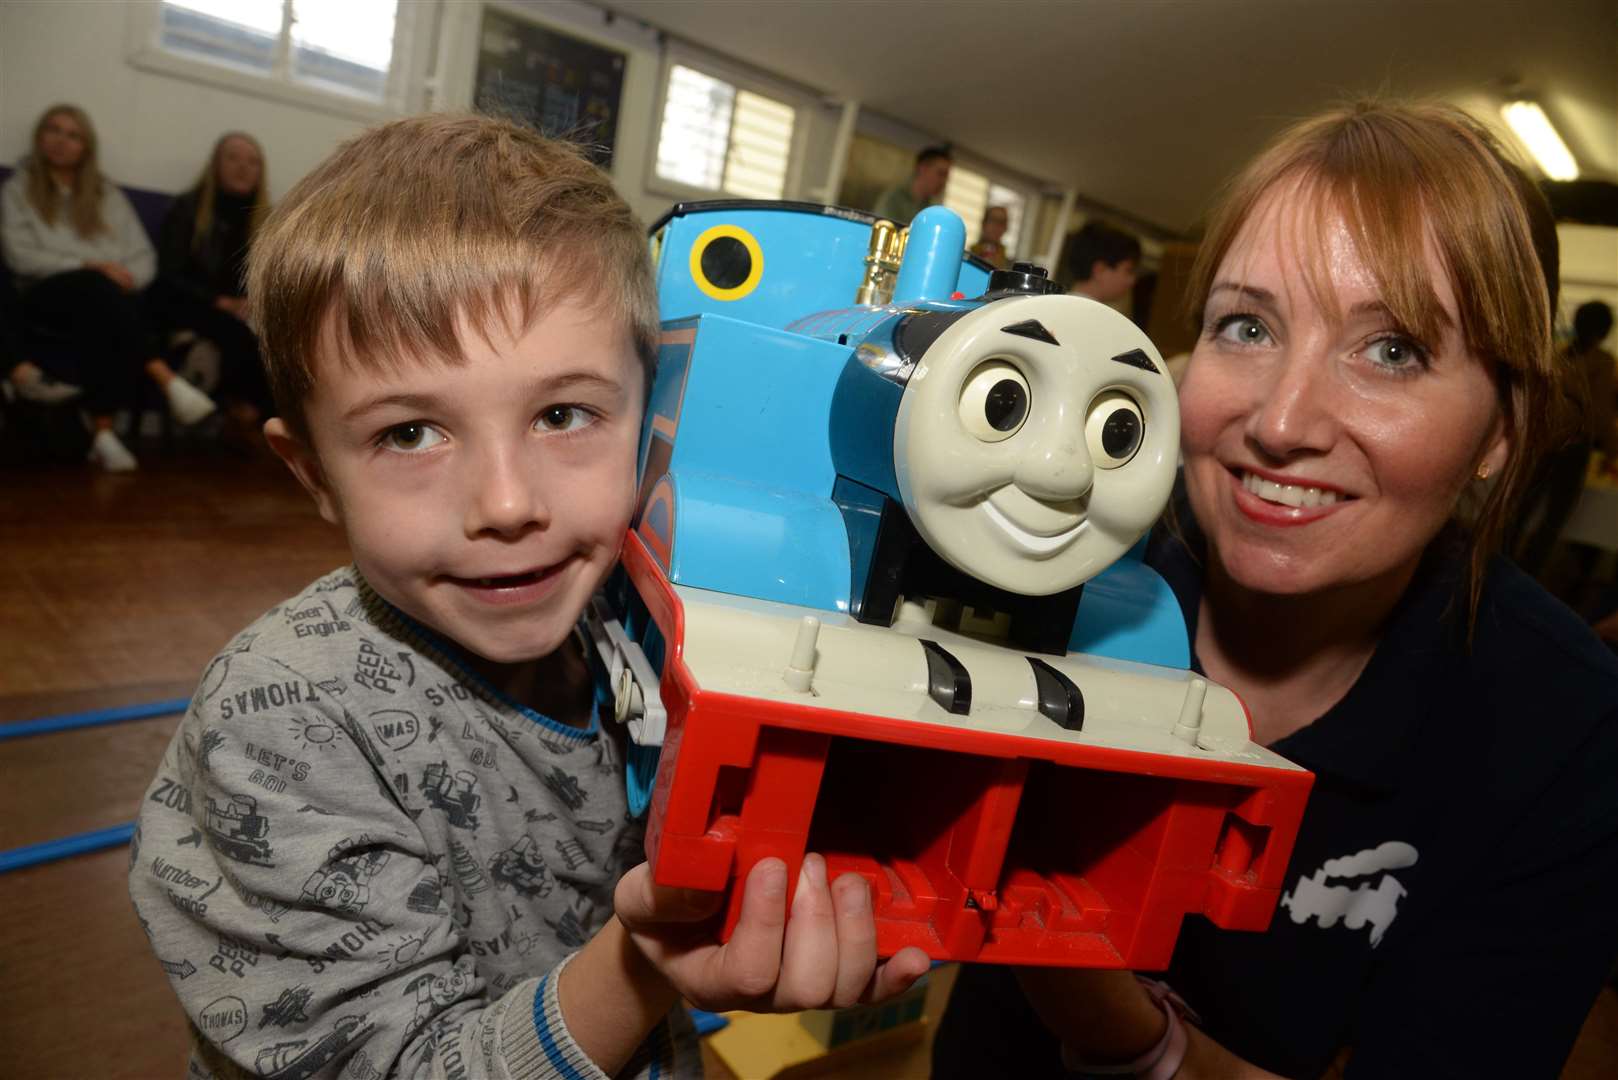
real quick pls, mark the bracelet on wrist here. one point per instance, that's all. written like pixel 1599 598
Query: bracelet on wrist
pixel 1162 1060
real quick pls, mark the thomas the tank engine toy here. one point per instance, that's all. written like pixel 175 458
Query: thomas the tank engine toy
pixel 882 600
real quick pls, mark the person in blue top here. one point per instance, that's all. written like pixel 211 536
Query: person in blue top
pixel 1375 297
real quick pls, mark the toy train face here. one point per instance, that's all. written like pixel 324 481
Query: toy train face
pixel 1035 441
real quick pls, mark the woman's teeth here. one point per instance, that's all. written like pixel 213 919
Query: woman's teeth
pixel 1287 494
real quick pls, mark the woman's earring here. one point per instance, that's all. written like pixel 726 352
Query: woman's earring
pixel 1483 471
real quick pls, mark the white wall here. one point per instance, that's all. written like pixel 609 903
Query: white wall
pixel 156 128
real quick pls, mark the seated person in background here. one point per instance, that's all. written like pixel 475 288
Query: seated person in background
pixel 1556 489
pixel 404 787
pixel 1375 298
pixel 902 202
pixel 1101 262
pixel 24 378
pixel 1607 628
pixel 81 258
pixel 996 219
pixel 201 257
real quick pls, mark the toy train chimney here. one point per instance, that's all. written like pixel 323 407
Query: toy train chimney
pixel 932 259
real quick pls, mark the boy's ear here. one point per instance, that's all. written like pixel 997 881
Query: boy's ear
pixel 300 458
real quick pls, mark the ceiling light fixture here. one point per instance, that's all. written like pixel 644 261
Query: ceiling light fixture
pixel 1536 132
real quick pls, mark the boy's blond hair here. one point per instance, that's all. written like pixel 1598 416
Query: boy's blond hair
pixel 372 258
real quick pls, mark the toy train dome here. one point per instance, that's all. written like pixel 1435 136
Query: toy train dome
pixel 1027 278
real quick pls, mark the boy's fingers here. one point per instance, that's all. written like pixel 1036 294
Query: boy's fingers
pixel 750 961
pixel 639 901
pixel 856 938
pixel 895 976
pixel 809 958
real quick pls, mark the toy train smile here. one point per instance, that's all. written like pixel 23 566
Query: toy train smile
pixel 882 599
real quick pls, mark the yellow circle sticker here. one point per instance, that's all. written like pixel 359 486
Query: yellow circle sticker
pixel 726 262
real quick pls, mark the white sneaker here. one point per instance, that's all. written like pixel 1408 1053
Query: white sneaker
pixel 34 385
pixel 187 404
pixel 109 452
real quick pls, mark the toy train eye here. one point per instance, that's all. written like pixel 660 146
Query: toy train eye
pixel 726 262
pixel 1114 429
pixel 994 401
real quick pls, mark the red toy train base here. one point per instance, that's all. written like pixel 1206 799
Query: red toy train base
pixel 977 845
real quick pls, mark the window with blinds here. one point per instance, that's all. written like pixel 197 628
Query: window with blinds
pixel 967 193
pixel 344 46
pixel 970 194
pixel 721 138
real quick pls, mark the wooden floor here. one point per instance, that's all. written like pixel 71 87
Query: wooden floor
pixel 116 590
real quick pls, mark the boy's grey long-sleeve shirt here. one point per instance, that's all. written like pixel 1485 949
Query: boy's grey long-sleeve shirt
pixel 358 860
pixel 36 249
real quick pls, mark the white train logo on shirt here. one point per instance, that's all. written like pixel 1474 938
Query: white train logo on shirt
pixel 1375 905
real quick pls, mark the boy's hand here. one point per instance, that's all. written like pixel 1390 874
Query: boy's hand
pixel 820 955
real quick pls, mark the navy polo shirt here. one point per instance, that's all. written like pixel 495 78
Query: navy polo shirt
pixel 1451 905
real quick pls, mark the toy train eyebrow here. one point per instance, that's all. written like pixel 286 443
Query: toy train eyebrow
pixel 1031 328
pixel 1137 358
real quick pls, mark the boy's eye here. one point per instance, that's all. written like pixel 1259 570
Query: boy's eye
pixel 564 418
pixel 410 438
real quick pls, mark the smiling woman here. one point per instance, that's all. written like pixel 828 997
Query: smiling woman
pixel 1375 299
pixel 1309 404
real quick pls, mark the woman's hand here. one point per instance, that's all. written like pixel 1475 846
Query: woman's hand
pixel 1108 1016
pixel 1101 1015
pixel 115 273
pixel 821 954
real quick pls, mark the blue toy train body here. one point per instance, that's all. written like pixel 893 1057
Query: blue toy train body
pixel 884 579
pixel 767 457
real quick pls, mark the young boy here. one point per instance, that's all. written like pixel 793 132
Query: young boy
pixel 386 838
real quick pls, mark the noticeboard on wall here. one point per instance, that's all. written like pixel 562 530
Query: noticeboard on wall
pixel 567 88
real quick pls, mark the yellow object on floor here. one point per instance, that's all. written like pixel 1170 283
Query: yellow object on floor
pixel 762 1046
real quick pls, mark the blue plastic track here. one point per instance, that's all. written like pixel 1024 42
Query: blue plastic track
pixel 65 847
pixel 67 721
